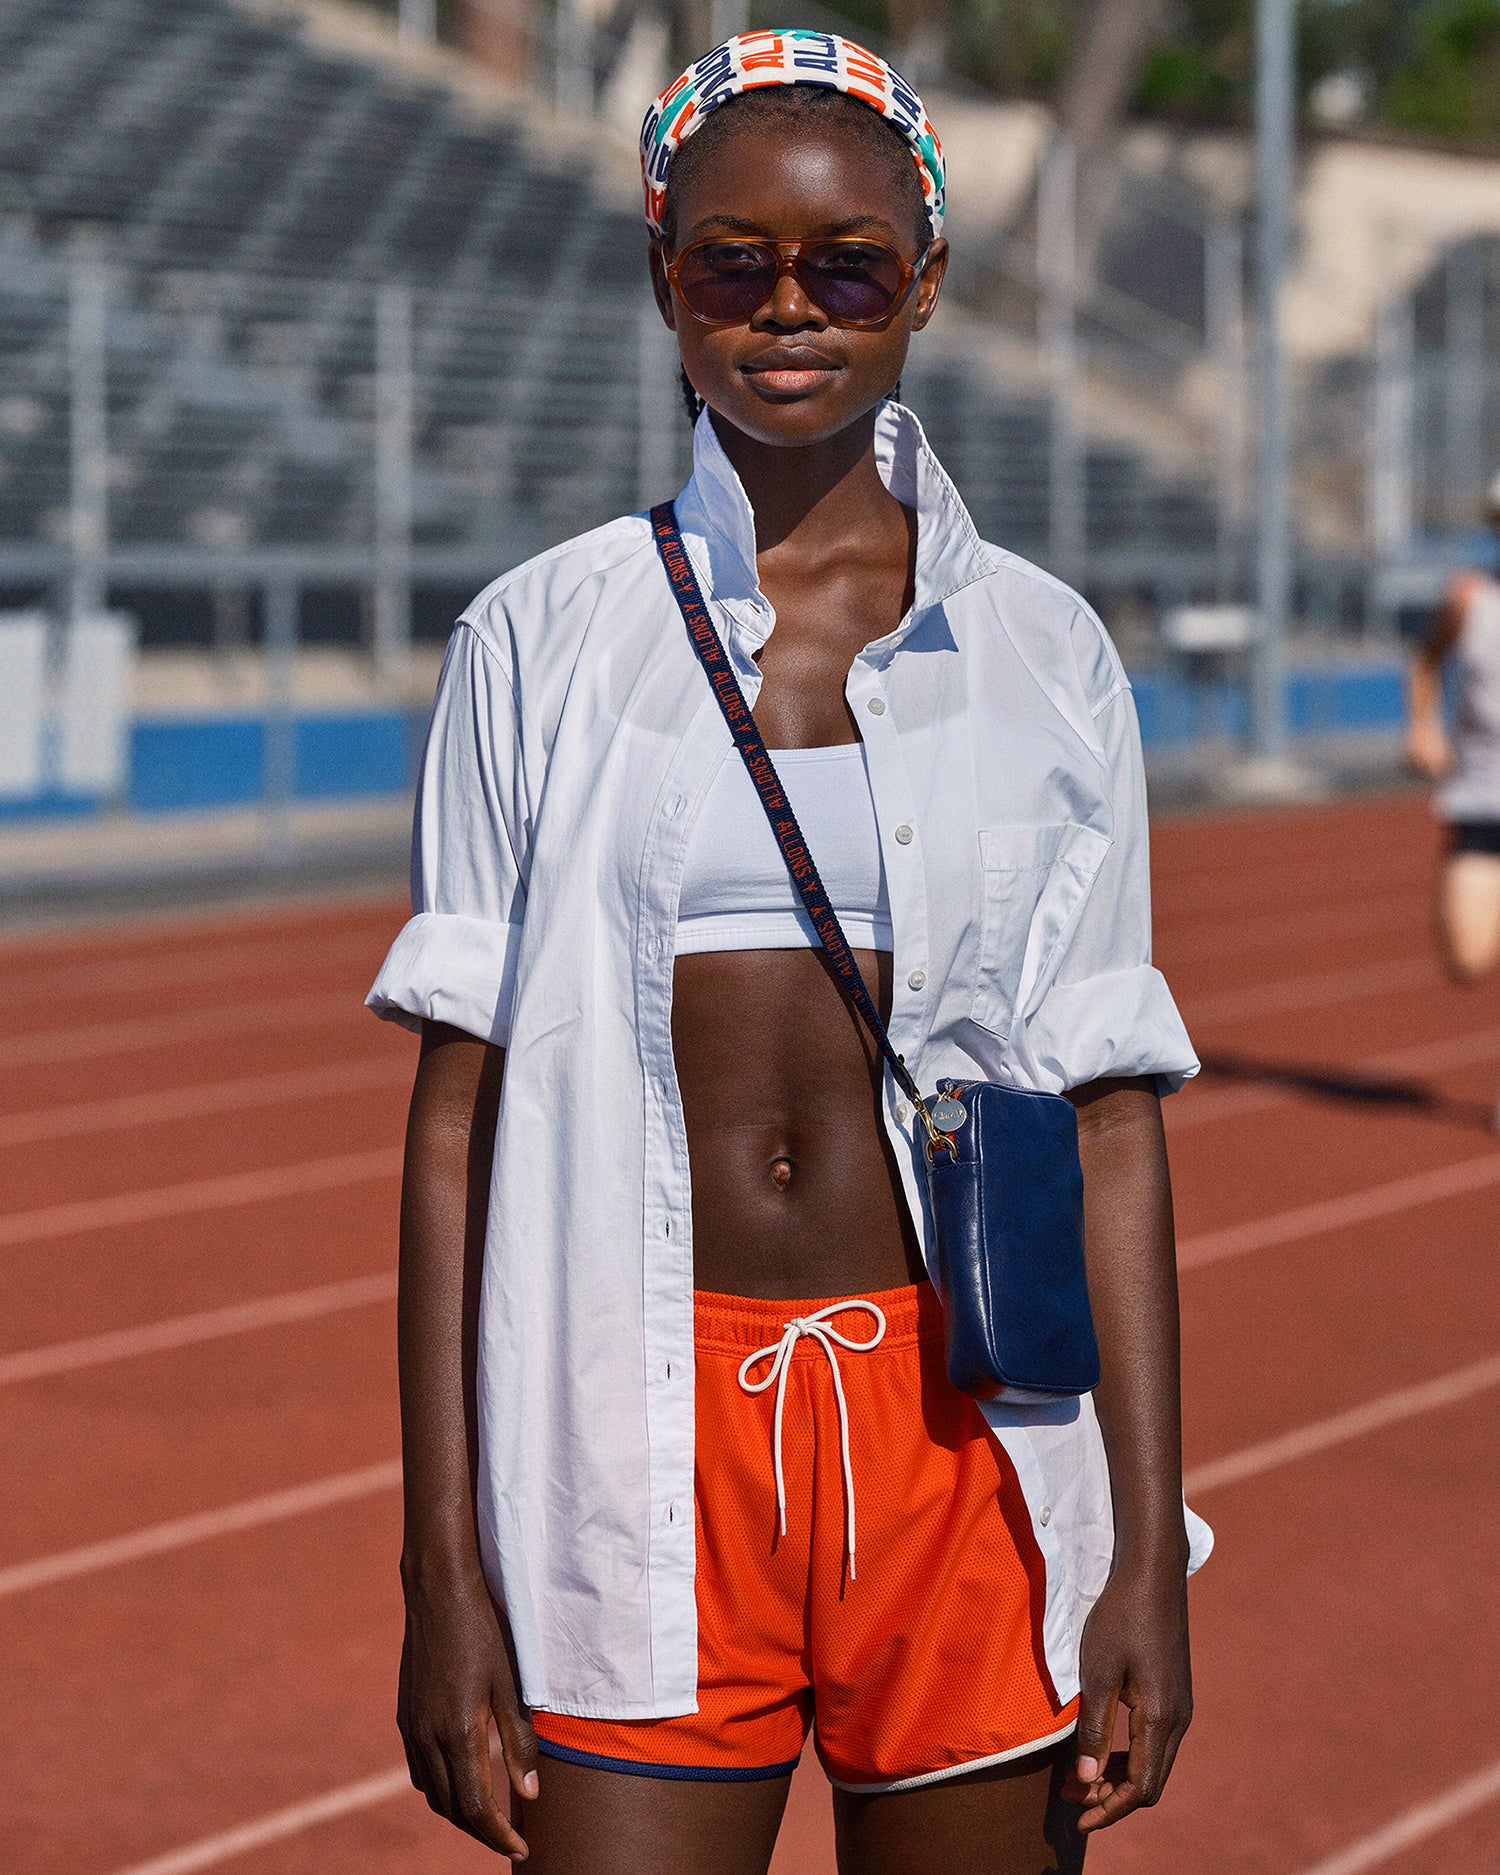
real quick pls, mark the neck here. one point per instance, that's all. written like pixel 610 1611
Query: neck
pixel 815 494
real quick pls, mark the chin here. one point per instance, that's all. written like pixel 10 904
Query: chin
pixel 794 421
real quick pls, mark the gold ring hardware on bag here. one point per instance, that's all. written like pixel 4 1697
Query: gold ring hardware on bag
pixel 936 1141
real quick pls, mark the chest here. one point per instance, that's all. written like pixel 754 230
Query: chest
pixel 823 622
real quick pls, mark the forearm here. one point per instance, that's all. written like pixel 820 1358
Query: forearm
pixel 457 1671
pixel 1133 1292
pixel 449 1142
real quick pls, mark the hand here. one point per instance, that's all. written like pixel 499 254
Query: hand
pixel 456 1673
pixel 1427 748
pixel 1135 1653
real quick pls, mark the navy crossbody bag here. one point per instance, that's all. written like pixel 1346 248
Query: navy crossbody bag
pixel 1004 1184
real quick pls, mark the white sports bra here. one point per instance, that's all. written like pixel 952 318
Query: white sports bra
pixel 736 892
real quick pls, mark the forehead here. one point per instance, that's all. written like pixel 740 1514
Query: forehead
pixel 801 178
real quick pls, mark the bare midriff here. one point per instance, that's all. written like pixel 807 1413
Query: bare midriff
pixel 795 1187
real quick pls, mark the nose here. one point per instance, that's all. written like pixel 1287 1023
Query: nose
pixel 788 309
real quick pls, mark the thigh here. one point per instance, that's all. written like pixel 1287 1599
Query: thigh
pixel 591 1822
pixel 1007 1820
pixel 1469 914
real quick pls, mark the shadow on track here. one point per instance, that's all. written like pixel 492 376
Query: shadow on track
pixel 1349 1087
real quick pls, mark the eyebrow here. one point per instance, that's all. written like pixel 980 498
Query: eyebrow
pixel 855 224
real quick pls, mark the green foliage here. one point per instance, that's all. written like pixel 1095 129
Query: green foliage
pixel 1449 80
pixel 1017 47
pixel 1431 66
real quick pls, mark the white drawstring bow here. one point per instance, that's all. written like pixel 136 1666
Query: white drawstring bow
pixel 818 1327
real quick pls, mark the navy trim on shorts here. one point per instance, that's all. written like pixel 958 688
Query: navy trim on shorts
pixel 685 1773
pixel 1474 836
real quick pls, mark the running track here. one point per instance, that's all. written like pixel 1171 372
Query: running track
pixel 201 1134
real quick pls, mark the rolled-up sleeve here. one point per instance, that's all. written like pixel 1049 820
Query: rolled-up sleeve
pixel 1108 1012
pixel 455 961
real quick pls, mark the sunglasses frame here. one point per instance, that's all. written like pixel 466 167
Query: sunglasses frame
pixel 788 254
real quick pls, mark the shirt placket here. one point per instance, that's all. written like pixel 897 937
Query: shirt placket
pixel 875 702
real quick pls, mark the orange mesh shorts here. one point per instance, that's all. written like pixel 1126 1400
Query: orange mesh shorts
pixel 923 1660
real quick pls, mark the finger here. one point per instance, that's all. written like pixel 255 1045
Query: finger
pixel 406 1728
pixel 1096 1727
pixel 431 1773
pixel 1113 1795
pixel 1154 1730
pixel 517 1743
pixel 1135 1780
pixel 475 1809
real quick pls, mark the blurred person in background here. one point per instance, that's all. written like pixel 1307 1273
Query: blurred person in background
pixel 617 1546
pixel 1465 630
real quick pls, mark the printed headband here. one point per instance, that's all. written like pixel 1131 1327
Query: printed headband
pixel 750 61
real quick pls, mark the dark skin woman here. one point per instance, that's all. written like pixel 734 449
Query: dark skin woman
pixel 794 1190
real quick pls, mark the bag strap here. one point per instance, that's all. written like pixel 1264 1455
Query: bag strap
pixel 712 656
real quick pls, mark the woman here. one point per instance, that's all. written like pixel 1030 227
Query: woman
pixel 698 1184
pixel 1467 629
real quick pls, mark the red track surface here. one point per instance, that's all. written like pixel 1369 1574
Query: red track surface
pixel 197 1115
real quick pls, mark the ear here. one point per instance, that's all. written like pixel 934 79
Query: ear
pixel 661 286
pixel 931 283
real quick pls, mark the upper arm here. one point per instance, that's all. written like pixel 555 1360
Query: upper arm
pixel 1108 1014
pixel 455 961
pixel 1448 620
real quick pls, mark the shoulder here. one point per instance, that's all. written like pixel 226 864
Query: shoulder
pixel 1465 587
pixel 1049 621
pixel 550 598
pixel 1464 591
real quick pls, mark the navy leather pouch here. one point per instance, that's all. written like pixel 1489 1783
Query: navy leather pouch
pixel 1007 1211
pixel 1004 1184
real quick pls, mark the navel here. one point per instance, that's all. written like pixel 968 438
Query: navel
pixel 781 1173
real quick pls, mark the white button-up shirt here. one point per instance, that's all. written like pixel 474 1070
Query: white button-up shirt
pixel 572 743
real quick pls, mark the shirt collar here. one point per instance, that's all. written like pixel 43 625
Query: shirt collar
pixel 718 523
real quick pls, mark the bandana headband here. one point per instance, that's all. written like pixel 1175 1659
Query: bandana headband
pixel 750 61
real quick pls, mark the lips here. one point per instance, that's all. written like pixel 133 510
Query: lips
pixel 790 370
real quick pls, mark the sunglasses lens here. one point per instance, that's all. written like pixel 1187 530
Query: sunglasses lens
pixel 727 281
pixel 855 282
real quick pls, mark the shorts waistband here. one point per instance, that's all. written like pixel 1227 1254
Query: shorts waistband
pixel 740 1324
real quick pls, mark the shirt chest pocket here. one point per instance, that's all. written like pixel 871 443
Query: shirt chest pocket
pixel 1033 881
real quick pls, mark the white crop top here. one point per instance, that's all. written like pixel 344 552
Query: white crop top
pixel 736 892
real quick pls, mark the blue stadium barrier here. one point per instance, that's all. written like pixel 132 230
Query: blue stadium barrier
pixel 219 761
pixel 1322 700
pixel 181 763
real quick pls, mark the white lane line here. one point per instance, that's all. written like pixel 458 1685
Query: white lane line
pixel 1389 1409
pixel 1475 1047
pixel 1314 990
pixel 1194 942
pixel 187 1103
pixel 185 1331
pixel 41 1047
pixel 1329 1214
pixel 209 1851
pixel 204 963
pixel 1427 1819
pixel 156 1539
pixel 198 1195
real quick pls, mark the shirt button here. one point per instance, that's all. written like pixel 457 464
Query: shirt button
pixel 903 835
pixel 916 980
pixel 1044 1515
pixel 903 1113
pixel 876 706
